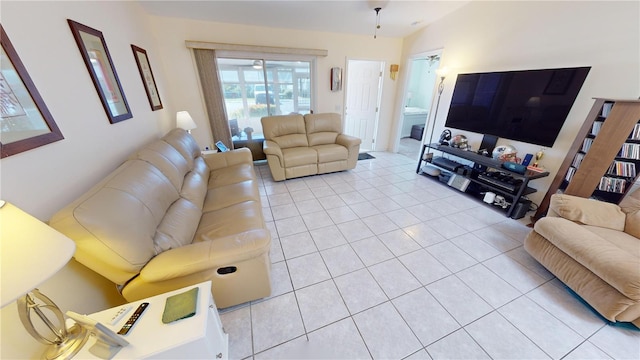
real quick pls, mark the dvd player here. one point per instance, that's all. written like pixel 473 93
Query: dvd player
pixel 504 182
pixel 446 163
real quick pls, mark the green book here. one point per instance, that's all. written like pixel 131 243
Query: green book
pixel 180 306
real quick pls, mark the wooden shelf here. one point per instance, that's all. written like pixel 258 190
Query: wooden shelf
pixel 614 132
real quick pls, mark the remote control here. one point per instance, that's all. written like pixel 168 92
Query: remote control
pixel 120 314
pixel 132 320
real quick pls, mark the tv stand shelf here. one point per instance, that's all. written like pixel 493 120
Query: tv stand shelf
pixel 478 160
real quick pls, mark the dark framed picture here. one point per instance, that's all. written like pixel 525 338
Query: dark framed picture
pixel 147 77
pixel 25 121
pixel 96 57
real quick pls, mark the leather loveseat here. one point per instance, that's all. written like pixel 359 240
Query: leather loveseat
pixel 298 145
pixel 594 248
pixel 170 217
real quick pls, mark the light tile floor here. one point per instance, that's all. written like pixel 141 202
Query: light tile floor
pixel 379 262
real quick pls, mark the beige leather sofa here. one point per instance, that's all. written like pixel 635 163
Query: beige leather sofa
pixel 298 145
pixel 594 248
pixel 170 217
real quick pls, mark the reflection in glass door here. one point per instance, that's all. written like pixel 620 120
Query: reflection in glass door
pixel 254 88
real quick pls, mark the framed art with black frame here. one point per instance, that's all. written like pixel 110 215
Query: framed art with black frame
pixel 142 60
pixel 25 120
pixel 96 57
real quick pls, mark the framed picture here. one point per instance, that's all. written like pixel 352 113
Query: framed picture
pixel 147 77
pixel 25 121
pixel 98 61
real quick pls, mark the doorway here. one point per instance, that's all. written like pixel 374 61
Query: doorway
pixel 417 102
pixel 363 92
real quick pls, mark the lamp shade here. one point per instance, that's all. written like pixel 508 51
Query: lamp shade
pixel 442 72
pixel 184 120
pixel 30 252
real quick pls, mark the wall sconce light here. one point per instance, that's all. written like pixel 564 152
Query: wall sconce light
pixel 393 71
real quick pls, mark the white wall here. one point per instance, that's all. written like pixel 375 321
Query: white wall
pixel 185 92
pixel 516 35
pixel 42 180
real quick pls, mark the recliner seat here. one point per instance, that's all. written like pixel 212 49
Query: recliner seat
pixel 170 217
pixel 298 145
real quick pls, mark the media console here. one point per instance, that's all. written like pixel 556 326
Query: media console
pixel 485 175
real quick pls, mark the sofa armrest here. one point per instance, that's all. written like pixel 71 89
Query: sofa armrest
pixel 616 266
pixel 347 140
pixel 228 158
pixel 587 211
pixel 272 148
pixel 206 255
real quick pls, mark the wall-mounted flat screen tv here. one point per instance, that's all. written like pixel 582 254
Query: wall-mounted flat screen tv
pixel 529 105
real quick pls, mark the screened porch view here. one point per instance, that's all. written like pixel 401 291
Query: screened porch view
pixel 248 97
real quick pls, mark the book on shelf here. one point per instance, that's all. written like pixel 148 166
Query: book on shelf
pixel 586 144
pixel 606 109
pixel 630 151
pixel 612 185
pixel 622 168
pixel 570 172
pixel 577 160
pixel 635 134
pixel 595 128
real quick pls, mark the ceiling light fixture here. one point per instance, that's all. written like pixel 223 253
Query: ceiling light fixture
pixel 375 32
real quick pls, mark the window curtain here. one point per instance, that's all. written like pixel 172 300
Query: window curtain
pixel 213 99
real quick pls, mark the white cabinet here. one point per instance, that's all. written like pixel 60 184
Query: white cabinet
pixel 198 337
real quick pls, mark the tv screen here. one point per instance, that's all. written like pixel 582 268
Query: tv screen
pixel 529 105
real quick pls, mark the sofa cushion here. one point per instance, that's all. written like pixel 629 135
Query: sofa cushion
pixel 285 130
pixel 231 175
pixel 186 145
pixel 620 239
pixel 299 156
pixel 178 225
pixel 322 128
pixel 587 211
pixel 167 159
pixel 610 262
pixel 331 152
pixel 100 221
pixel 224 196
pixel 194 188
pixel 230 220
pixel 632 226
pixel 631 206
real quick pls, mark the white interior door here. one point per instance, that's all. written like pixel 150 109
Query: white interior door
pixel 364 79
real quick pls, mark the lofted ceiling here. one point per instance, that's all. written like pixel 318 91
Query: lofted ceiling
pixel 398 18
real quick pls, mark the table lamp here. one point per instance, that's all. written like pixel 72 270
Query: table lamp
pixel 184 121
pixel 30 253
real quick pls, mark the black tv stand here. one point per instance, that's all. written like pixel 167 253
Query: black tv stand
pixel 482 184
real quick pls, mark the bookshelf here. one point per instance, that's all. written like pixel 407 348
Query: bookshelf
pixel 604 159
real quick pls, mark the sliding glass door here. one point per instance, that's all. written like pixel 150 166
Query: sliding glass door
pixel 257 87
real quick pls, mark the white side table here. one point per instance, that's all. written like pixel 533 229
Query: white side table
pixel 198 337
